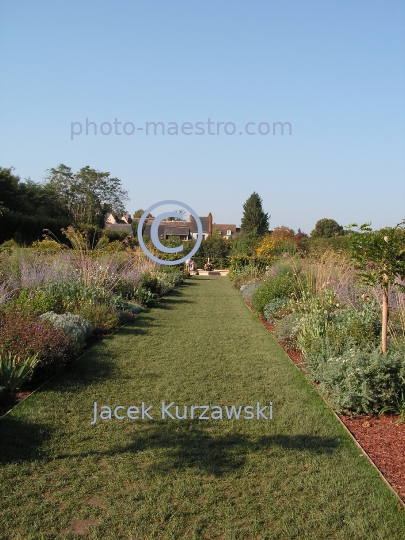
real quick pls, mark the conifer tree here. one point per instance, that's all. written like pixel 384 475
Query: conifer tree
pixel 254 221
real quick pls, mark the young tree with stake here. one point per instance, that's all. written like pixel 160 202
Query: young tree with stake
pixel 379 256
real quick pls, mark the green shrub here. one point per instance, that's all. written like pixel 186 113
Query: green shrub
pixel 35 301
pixel 62 296
pixel 338 329
pixel 398 408
pixel 150 282
pixel 25 229
pixel 15 370
pixel 362 327
pixel 102 317
pixel 360 381
pixel 164 286
pixel 74 326
pixel 144 297
pixel 114 235
pixel 173 276
pixel 125 317
pixel 277 309
pixel 157 283
pixel 126 288
pixel 8 245
pixel 280 286
pixel 122 305
pixel 285 266
pixel 318 246
pixel 240 276
pixel 250 264
pixel 286 329
pixel 48 245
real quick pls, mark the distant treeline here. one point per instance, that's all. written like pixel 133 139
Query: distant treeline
pixel 65 198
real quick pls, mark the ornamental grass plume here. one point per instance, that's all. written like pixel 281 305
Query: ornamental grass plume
pixel 333 271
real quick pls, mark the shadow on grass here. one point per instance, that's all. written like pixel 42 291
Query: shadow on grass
pixel 22 441
pixel 173 299
pixel 97 364
pixel 188 446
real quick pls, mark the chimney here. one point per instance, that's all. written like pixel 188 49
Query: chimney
pixel 210 224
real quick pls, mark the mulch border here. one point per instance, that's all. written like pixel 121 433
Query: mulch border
pixel 296 358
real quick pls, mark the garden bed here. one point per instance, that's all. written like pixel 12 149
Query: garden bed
pixel 380 438
pixel 9 400
pixel 298 476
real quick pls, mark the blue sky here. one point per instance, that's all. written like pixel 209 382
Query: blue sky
pixel 334 70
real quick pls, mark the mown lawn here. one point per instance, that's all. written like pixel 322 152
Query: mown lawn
pixel 297 476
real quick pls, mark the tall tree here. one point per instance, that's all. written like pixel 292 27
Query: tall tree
pixel 9 184
pixel 27 197
pixel 254 221
pixel 283 233
pixel 327 228
pixel 139 213
pixel 88 194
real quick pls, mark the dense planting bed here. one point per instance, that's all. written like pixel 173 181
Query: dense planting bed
pixel 296 476
pixel 381 437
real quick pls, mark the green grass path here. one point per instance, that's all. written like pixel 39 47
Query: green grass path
pixel 298 476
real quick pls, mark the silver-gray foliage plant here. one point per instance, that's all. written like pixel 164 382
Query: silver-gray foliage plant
pixel 73 326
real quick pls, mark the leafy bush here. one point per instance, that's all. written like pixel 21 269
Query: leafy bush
pixel 144 297
pixel 35 301
pixel 74 326
pixel 277 309
pixel 280 286
pixel 157 284
pixel 360 381
pixel 285 266
pixel 150 282
pixel 15 370
pixel 318 246
pixel 26 335
pixel 126 288
pixel 240 262
pixel 173 277
pixel 8 245
pixel 286 329
pixel 362 327
pixel 25 229
pixel 338 329
pixel 60 296
pixel 164 286
pixel 102 317
pixel 114 235
pixel 48 245
pixel 122 305
pixel 125 317
pixel 398 408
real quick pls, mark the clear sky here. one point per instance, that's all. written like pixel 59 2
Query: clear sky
pixel 335 70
